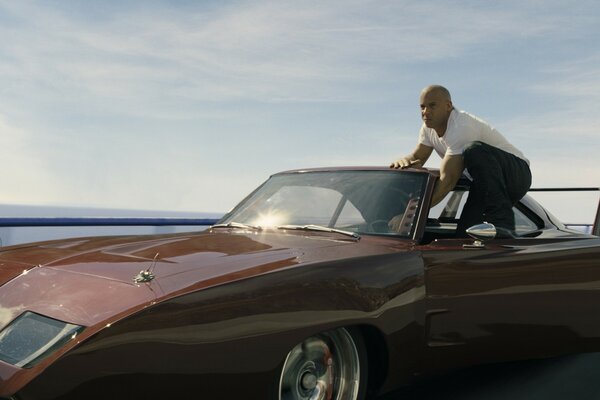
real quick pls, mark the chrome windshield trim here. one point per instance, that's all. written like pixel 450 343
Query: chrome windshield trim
pixel 319 228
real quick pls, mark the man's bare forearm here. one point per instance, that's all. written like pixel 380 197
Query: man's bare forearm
pixel 442 188
pixel 450 172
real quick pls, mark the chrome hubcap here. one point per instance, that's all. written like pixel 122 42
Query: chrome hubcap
pixel 323 367
pixel 309 381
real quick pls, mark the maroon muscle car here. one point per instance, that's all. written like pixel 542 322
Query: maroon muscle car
pixel 303 291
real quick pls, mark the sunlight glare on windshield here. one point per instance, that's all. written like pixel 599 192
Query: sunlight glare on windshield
pixel 270 219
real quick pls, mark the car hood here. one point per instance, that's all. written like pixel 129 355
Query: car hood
pixel 92 280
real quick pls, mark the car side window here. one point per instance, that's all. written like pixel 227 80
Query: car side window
pixel 447 213
pixel 450 208
pixel 523 225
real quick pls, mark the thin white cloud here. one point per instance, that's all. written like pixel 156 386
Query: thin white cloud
pixel 567 128
pixel 561 139
pixel 257 50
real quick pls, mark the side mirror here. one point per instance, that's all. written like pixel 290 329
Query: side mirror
pixel 480 233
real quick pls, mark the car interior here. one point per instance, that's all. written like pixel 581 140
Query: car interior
pixel 443 219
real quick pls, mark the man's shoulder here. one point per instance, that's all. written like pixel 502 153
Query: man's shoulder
pixel 427 132
pixel 463 115
pixel 427 136
pixel 466 120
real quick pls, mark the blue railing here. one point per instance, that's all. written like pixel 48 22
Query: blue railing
pixel 104 221
pixel 18 230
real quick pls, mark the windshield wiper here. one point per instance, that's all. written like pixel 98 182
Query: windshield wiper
pixel 319 228
pixel 237 225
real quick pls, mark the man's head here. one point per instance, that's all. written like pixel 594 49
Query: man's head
pixel 436 105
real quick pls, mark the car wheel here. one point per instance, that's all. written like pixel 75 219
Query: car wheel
pixel 328 366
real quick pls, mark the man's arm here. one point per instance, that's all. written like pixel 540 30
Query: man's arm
pixel 450 172
pixel 416 159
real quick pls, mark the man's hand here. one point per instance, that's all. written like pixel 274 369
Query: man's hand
pixel 406 163
pixel 416 159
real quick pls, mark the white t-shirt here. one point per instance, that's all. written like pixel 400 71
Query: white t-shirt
pixel 463 129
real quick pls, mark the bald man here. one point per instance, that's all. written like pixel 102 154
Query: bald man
pixel 499 171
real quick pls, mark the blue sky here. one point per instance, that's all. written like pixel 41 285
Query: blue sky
pixel 189 105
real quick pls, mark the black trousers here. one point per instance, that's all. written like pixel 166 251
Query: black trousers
pixel 500 180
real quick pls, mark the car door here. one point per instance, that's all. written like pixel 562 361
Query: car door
pixel 512 298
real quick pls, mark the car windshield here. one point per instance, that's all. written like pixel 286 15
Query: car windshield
pixel 353 201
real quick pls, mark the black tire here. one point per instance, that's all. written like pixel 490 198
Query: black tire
pixel 331 365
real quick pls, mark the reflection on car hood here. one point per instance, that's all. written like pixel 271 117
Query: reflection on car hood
pixel 86 281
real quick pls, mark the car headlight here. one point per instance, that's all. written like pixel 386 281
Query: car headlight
pixel 31 337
